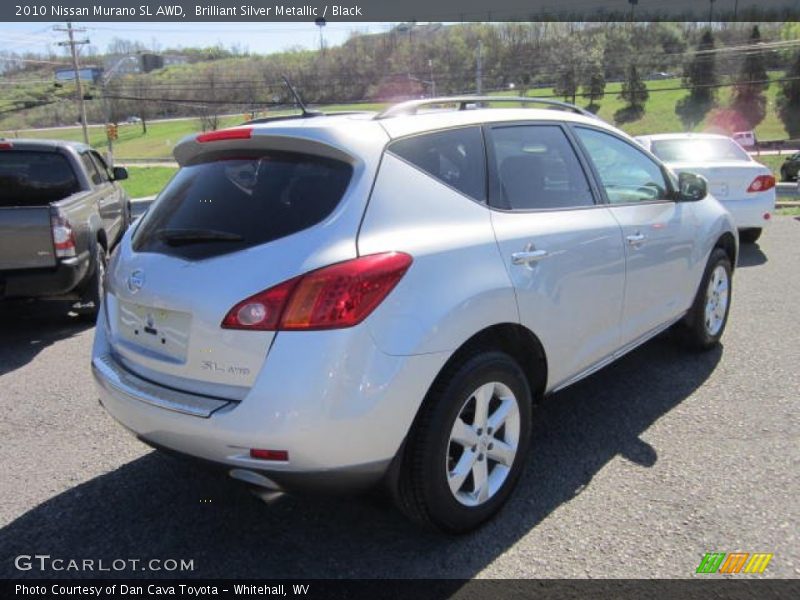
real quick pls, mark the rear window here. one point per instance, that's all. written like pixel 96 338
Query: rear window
pixel 29 178
pixel 229 203
pixel 698 150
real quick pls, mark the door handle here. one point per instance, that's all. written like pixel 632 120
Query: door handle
pixel 529 256
pixel 636 239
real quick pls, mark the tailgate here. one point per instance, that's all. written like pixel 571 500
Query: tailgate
pixel 26 240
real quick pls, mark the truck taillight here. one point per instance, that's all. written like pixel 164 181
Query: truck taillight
pixel 63 236
pixel 762 183
pixel 334 297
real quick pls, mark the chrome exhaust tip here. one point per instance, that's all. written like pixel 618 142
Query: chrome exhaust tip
pixel 256 479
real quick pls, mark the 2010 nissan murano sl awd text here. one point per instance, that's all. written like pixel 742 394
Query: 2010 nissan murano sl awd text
pixel 332 302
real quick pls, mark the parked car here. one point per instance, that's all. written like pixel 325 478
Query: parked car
pixel 746 139
pixel 336 302
pixel 61 211
pixel 790 168
pixel 744 186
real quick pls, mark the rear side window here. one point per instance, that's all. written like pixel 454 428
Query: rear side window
pixel 454 157
pixel 29 178
pixel 231 203
pixel 537 169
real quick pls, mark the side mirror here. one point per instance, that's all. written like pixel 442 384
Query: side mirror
pixel 120 173
pixel 691 187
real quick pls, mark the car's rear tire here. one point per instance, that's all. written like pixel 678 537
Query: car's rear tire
pixel 92 296
pixel 466 450
pixel 750 236
pixel 785 175
pixel 705 323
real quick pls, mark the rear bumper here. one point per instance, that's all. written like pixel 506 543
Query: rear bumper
pixel 341 411
pixel 750 212
pixel 59 281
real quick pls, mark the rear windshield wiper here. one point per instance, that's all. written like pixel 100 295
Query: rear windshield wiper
pixel 180 237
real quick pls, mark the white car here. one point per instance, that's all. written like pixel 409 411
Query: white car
pixel 746 139
pixel 745 187
pixel 339 301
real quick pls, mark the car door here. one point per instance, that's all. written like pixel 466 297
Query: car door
pixel 106 192
pixel 659 232
pixel 563 250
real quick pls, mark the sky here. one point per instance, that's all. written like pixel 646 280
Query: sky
pixel 260 38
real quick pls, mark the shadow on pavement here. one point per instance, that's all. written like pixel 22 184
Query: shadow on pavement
pixel 158 507
pixel 751 255
pixel 27 328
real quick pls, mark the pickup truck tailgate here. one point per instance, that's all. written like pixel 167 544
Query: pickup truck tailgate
pixel 26 240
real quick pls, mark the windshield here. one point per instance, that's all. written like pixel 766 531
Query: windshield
pixel 698 150
pixel 230 203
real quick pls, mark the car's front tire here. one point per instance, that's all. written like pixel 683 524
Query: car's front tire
pixel 706 320
pixel 466 450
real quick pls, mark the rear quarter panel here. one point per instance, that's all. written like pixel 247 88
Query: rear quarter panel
pixel 456 286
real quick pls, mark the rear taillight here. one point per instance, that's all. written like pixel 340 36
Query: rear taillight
pixel 234 133
pixel 6 145
pixel 63 236
pixel 341 295
pixel 762 183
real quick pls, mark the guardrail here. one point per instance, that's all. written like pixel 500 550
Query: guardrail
pixel 779 145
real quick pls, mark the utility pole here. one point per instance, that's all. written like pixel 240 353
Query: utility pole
pixel 320 22
pixel 433 81
pixel 104 79
pixel 72 43
pixel 479 69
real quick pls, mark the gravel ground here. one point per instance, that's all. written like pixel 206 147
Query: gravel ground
pixel 635 472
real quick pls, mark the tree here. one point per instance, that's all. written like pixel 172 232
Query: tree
pixel 566 83
pixel 143 99
pixel 634 90
pixel 748 94
pixel 209 113
pixel 700 76
pixel 789 99
pixel 567 53
pixel 593 76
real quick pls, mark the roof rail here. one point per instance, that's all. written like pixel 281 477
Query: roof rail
pixel 468 102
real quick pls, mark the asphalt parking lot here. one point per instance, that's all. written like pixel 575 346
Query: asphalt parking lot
pixel 635 472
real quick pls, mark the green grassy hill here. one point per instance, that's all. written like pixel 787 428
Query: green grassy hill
pixel 659 116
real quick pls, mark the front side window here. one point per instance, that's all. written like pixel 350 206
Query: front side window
pixel 626 173
pixel 454 157
pixel 537 169
pixel 102 168
pixel 91 168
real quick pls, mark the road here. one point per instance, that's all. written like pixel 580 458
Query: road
pixel 635 472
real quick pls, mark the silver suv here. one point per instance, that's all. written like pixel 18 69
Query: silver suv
pixel 334 302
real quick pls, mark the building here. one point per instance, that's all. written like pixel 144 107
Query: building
pixel 92 74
